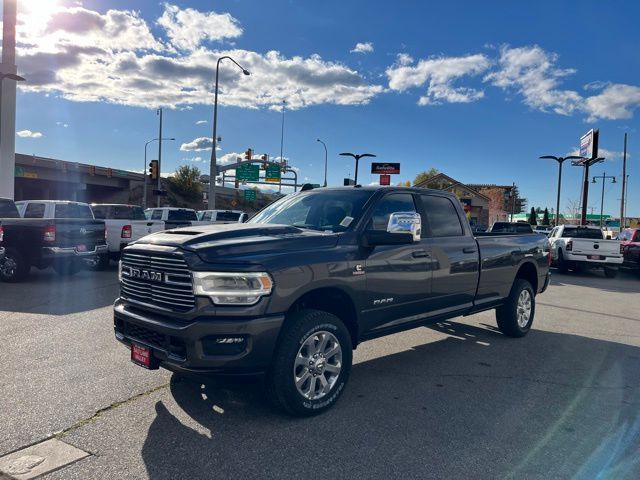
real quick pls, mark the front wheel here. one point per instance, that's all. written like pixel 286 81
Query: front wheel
pixel 311 363
pixel 515 317
pixel 562 264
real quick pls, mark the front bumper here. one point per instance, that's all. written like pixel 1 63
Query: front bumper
pixel 54 253
pixel 196 346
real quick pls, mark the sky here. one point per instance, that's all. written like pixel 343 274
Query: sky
pixel 478 90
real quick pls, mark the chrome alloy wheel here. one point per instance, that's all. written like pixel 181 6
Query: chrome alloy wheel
pixel 524 308
pixel 317 365
pixel 9 267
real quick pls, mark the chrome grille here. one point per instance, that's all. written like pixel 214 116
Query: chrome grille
pixel 160 280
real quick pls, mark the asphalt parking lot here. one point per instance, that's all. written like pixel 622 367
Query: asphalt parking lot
pixel 455 400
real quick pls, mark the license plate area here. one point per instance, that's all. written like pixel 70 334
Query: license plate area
pixel 596 257
pixel 81 248
pixel 143 356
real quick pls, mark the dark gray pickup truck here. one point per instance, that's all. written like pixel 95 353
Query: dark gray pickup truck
pixel 291 293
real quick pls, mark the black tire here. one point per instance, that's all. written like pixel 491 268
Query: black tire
pixel 280 380
pixel 507 315
pixel 610 272
pixel 15 267
pixel 561 263
pixel 68 268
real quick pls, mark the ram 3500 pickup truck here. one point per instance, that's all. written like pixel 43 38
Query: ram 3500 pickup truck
pixel 292 292
pixel 52 233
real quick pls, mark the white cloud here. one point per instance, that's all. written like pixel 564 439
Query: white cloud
pixel 439 74
pixel 197 145
pixel 534 74
pixel 62 124
pixel 193 159
pixel 404 59
pixel 123 63
pixel 188 28
pixel 202 122
pixel 615 102
pixel 364 47
pixel 28 134
pixel 602 152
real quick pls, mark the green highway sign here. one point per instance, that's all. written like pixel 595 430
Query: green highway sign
pixel 248 173
pixel 250 195
pixel 272 173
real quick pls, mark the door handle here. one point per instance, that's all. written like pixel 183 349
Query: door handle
pixel 469 250
pixel 419 254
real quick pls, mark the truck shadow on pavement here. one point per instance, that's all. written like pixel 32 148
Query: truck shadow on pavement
pixel 625 281
pixel 46 292
pixel 473 404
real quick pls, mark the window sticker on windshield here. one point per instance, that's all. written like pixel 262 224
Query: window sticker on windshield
pixel 346 221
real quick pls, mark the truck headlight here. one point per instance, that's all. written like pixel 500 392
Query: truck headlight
pixel 232 288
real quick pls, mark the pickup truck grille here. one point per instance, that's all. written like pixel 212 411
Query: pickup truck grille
pixel 160 280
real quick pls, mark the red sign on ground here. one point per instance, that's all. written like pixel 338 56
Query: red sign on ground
pixel 385 179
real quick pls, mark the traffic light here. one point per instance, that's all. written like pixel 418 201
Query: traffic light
pixel 248 155
pixel 265 159
pixel 153 169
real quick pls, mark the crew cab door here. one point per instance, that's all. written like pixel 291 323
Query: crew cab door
pixel 455 259
pixel 398 281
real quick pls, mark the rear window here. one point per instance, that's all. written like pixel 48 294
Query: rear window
pixel 227 216
pixel 8 209
pixel 574 232
pixel 126 212
pixel 73 210
pixel 182 215
pixel 502 227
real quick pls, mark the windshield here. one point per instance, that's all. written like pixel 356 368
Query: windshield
pixel 323 210
pixel 575 232
pixel 501 227
pixel 182 215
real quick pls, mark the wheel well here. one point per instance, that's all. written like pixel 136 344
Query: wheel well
pixel 529 273
pixel 334 301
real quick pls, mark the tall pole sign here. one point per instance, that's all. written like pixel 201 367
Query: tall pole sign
pixel 589 152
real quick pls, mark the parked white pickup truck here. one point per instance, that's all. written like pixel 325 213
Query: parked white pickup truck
pixel 174 217
pixel 124 224
pixel 222 216
pixel 574 247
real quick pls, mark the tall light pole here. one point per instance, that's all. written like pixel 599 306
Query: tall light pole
pixel 560 161
pixel 357 157
pixel 624 184
pixel 603 177
pixel 8 101
pixel 144 170
pixel 284 102
pixel 325 161
pixel 213 167
pixel 585 163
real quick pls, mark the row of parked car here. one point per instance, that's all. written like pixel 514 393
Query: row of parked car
pixel 70 236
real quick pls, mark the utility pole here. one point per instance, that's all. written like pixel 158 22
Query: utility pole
pixel 8 102
pixel 284 102
pixel 159 158
pixel 624 184
pixel 604 177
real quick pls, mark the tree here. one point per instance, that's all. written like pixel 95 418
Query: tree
pixel 573 207
pixel 545 218
pixel 186 183
pixel 533 217
pixel 424 176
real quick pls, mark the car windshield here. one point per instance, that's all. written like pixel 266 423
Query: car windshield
pixel 499 227
pixel 323 210
pixel 577 232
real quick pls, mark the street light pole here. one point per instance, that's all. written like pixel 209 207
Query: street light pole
pixel 144 171
pixel 213 167
pixel 560 161
pixel 603 177
pixel 325 161
pixel 357 157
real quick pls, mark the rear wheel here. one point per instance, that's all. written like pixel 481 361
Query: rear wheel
pixel 562 264
pixel 610 272
pixel 68 268
pixel 15 267
pixel 311 363
pixel 515 317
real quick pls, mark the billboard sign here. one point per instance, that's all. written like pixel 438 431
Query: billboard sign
pixel 385 179
pixel 589 144
pixel 385 168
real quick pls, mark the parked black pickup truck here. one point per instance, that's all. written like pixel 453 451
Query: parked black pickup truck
pixel 63 243
pixel 293 291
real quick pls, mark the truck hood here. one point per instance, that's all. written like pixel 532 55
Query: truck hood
pixel 236 242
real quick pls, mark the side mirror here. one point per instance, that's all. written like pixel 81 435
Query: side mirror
pixel 405 222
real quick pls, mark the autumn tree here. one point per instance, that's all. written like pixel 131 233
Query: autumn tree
pixel 425 176
pixel 185 182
